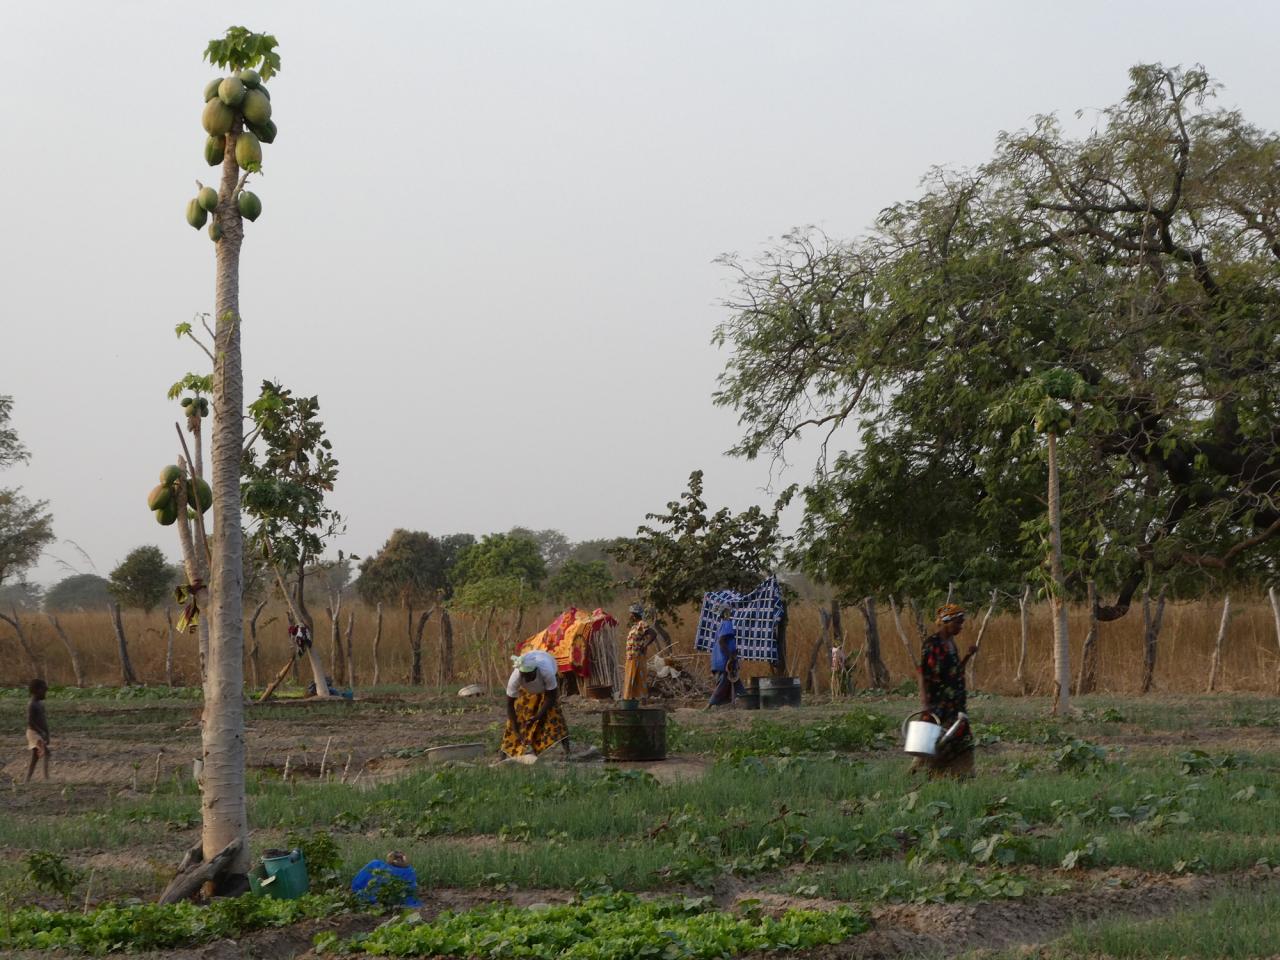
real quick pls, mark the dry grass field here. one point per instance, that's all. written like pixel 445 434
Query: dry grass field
pixel 1250 661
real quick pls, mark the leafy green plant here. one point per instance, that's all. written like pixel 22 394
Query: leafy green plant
pixel 616 926
pixel 1087 854
pixel 1079 756
pixel 50 872
pixel 320 850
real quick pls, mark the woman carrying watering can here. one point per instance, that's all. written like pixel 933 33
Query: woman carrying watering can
pixel 943 696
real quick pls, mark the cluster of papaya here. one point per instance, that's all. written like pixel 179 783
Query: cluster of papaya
pixel 196 406
pixel 242 97
pixel 163 498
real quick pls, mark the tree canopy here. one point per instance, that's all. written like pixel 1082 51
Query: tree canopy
pixel 80 591
pixel 685 552
pixel 1124 285
pixel 143 579
pixel 412 568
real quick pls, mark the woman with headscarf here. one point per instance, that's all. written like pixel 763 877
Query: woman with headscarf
pixel 635 679
pixel 943 695
pixel 534 718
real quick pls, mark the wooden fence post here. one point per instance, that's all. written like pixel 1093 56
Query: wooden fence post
pixel 1216 665
pixel 1024 619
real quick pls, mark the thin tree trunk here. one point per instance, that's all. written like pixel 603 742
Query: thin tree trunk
pixel 917 615
pixel 1150 637
pixel 1061 645
pixel 168 647
pixel 824 634
pixel 71 650
pixel 337 658
pixel 1275 613
pixel 779 664
pixel 1088 680
pixel 377 643
pixel 1024 621
pixel 877 672
pixel 254 665
pixel 222 795
pixel 416 672
pixel 127 677
pixel 902 634
pixel 301 615
pixel 351 660
pixel 660 629
pixel 15 621
pixel 982 632
pixel 1216 665
pixel 408 631
pixel 446 647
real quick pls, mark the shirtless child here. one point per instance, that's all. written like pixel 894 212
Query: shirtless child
pixel 37 727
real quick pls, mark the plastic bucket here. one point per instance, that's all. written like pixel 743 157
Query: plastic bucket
pixel 283 877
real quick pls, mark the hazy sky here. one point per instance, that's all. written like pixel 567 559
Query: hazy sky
pixel 489 229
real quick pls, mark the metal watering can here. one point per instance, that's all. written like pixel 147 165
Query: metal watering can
pixel 925 737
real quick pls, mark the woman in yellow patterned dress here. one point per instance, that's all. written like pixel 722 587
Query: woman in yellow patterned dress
pixel 635 681
pixel 535 721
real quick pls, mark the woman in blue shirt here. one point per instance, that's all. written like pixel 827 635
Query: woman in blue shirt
pixel 724 662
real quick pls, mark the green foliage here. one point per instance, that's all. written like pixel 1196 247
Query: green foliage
pixel 26 528
pixel 138 927
pixel 50 872
pixel 12 451
pixel 501 556
pixel 80 591
pixel 284 485
pixel 412 568
pixel 581 584
pixel 241 49
pixel 615 926
pixel 143 579
pixel 685 552
pixel 1117 290
pixel 322 856
pixel 1079 756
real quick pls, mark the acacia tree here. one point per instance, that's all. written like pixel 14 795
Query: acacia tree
pixel 284 488
pixel 1142 259
pixel 237 119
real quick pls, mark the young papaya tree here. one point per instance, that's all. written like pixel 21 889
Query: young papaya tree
pixel 237 121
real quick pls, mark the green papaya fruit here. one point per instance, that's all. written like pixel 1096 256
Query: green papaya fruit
pixel 207 198
pixel 170 475
pixel 160 497
pixel 187 401
pixel 166 516
pixel 217 118
pixel 205 494
pixel 204 407
pixel 249 78
pixel 265 132
pixel 256 107
pixel 215 231
pixel 214 150
pixel 248 152
pixel 262 88
pixel 249 204
pixel 211 89
pixel 196 214
pixel 231 91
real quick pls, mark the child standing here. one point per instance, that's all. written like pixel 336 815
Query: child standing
pixel 38 727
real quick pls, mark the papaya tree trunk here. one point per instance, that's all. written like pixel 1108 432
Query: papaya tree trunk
pixel 377 642
pixel 195 564
pixel 1061 647
pixel 72 652
pixel 877 672
pixel 222 798
pixel 1088 681
pixel 127 677
pixel 1215 667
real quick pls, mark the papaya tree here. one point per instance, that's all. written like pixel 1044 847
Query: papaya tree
pixel 287 472
pixel 237 121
